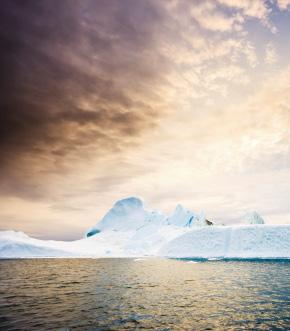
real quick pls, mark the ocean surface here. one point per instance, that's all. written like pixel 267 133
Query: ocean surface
pixel 130 294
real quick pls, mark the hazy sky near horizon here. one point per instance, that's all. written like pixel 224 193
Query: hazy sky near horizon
pixel 173 101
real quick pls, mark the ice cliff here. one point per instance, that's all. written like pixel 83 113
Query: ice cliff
pixel 130 229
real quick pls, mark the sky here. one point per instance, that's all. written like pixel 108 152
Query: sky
pixel 173 101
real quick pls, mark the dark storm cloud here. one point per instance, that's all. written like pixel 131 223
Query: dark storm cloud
pixel 74 74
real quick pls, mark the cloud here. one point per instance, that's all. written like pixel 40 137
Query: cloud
pixel 209 17
pixel 283 4
pixel 76 77
pixel 271 55
pixel 84 79
pixel 257 8
pixel 104 99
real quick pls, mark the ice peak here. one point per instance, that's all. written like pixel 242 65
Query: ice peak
pixel 130 202
pixel 179 208
pixel 126 215
pixel 254 218
pixel 182 217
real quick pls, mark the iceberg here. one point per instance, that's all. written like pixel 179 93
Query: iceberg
pixel 129 229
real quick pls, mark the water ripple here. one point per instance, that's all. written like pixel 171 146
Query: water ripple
pixel 120 294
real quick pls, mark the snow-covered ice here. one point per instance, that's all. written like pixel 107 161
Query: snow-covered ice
pixel 245 241
pixel 131 230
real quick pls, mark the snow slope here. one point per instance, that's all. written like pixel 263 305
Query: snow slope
pixel 17 244
pixel 131 230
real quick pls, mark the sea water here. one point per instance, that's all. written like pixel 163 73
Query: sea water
pixel 149 294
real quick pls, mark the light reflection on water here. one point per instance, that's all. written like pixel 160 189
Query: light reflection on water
pixel 118 294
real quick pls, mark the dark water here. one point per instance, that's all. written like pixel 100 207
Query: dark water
pixel 118 294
